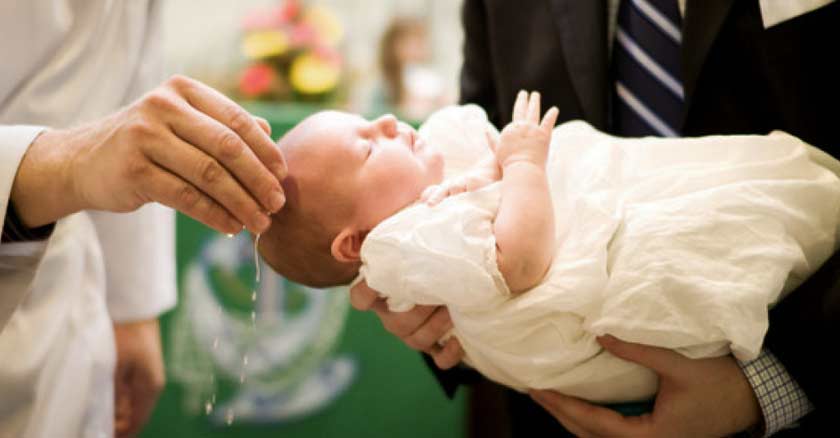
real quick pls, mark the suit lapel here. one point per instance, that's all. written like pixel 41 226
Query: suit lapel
pixel 585 52
pixel 703 19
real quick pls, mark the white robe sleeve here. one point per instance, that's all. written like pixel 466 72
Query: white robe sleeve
pixel 18 261
pixel 442 255
pixel 139 253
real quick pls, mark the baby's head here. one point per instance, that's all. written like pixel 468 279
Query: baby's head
pixel 346 175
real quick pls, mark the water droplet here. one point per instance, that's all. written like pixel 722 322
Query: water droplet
pixel 213 399
pixel 254 296
pixel 253 318
pixel 216 343
pixel 229 417
pixel 208 408
pixel 245 360
pixel 242 378
pixel 257 256
pixel 229 236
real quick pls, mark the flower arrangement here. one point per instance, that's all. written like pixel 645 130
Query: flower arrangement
pixel 292 53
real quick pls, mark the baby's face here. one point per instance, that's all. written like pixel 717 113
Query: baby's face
pixel 380 165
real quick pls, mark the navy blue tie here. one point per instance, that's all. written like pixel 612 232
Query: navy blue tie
pixel 646 61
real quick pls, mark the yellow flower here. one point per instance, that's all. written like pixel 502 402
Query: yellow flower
pixel 265 44
pixel 329 27
pixel 310 74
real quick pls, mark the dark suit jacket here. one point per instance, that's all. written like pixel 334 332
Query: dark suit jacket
pixel 738 78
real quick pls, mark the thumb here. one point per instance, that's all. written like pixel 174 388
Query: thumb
pixel 660 360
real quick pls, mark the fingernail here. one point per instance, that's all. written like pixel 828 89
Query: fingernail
pixel 276 201
pixel 233 227
pixel 262 222
pixel 280 171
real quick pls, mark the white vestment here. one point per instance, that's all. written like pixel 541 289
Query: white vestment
pixel 66 62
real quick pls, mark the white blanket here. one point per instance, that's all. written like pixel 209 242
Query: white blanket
pixel 678 243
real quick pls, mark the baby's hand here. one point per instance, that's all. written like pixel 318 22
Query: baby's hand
pixel 526 139
pixel 453 186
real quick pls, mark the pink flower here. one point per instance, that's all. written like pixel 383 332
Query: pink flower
pixel 289 10
pixel 303 35
pixel 271 18
pixel 256 80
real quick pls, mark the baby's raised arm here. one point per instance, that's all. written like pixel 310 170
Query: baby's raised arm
pixel 524 226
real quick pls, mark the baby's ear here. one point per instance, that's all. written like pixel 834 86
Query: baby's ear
pixel 347 246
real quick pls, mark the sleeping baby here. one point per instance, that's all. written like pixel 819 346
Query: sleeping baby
pixel 539 239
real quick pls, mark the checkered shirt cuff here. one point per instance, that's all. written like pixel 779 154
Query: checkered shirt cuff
pixel 782 400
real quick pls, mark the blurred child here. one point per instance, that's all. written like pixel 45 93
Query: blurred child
pixel 411 87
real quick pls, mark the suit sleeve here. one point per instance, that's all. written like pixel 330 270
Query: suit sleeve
pixel 803 334
pixel 477 71
pixel 18 260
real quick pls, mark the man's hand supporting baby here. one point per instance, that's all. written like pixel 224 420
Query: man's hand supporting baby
pixel 524 226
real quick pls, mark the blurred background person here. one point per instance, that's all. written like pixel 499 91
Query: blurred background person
pixel 412 87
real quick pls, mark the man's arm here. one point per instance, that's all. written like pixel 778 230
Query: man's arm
pixel 524 225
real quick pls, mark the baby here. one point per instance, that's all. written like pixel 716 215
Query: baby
pixel 555 237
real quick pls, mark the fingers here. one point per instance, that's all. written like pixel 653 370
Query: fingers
pixel 403 324
pixel 590 420
pixel 663 361
pixel 146 389
pixel 426 336
pixel 363 297
pixel 549 120
pixel 520 107
pixel 225 111
pixel 122 404
pixel 492 140
pixel 547 400
pixel 228 149
pixel 533 114
pixel 264 125
pixel 174 192
pixel 450 355
pixel 433 195
pixel 206 174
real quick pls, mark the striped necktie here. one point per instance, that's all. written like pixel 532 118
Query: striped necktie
pixel 646 62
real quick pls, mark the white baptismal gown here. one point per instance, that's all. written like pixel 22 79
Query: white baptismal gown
pixel 678 243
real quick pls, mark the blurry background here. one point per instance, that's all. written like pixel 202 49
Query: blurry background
pixel 272 358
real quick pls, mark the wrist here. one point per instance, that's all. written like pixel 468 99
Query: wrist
pixel 43 189
pixel 515 164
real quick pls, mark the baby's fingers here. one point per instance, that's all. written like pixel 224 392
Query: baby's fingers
pixel 534 108
pixel 521 106
pixel 492 140
pixel 434 194
pixel 549 120
pixel 424 197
